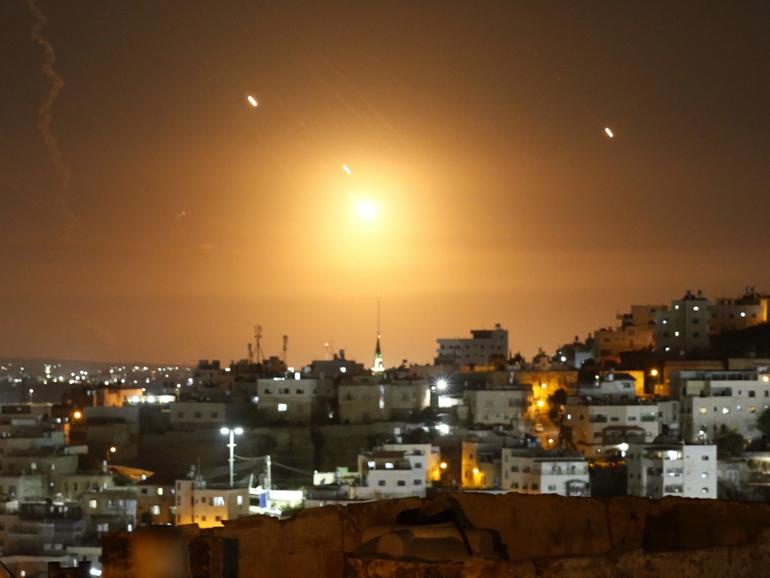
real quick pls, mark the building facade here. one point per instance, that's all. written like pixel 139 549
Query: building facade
pixel 657 471
pixel 684 328
pixel 484 347
pixel 530 472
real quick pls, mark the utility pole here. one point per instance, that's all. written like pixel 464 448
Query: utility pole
pixel 268 474
pixel 231 461
pixel 232 432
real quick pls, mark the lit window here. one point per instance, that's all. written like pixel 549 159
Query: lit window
pixel 92 504
pixel 696 308
pixel 160 491
pixel 239 500
pixel 282 407
pixel 388 466
pixel 156 510
pixel 218 501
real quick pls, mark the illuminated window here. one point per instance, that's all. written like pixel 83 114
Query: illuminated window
pixel 218 501
pixel 156 510
pixel 239 500
pixel 282 407
pixel 92 504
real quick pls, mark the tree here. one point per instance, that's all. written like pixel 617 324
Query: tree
pixel 730 444
pixel 763 423
pixel 556 403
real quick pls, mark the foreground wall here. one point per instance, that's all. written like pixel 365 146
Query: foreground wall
pixel 542 535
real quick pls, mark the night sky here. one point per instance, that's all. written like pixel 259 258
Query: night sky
pixel 477 129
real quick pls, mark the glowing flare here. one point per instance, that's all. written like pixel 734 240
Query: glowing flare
pixel 346 168
pixel 366 209
pixel 608 132
pixel 252 101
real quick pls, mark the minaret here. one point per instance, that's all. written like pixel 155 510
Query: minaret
pixel 378 366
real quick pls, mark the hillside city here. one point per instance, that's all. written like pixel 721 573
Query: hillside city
pixel 671 400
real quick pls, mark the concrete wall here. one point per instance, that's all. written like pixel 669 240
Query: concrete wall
pixel 541 535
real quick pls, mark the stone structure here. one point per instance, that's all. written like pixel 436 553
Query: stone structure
pixel 544 536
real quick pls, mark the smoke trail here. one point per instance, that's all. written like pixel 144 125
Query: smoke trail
pixel 45 113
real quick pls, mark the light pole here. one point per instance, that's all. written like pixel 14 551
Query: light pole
pixel 232 432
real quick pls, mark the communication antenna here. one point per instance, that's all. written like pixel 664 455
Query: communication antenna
pixel 258 344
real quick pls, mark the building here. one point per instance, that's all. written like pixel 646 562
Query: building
pixel 714 402
pixel 480 466
pixel 507 407
pixel 431 463
pixel 732 314
pixel 485 347
pixel 209 506
pixel 197 414
pixel 610 385
pixel 641 316
pixel 156 501
pixel 538 472
pixel 390 474
pixel 610 342
pixel 293 400
pixel 112 510
pixel 366 401
pixel 660 470
pixel 596 427
pixel 684 328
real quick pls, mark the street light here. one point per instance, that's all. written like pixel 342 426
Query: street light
pixel 232 432
pixel 442 384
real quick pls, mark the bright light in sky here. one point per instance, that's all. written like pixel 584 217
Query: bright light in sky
pixel 609 133
pixel 366 209
pixel 346 168
pixel 252 101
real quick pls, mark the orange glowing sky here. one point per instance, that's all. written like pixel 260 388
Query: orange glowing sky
pixel 478 134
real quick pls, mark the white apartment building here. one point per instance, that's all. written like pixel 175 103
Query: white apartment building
pixel 597 426
pixel 530 472
pixel 209 506
pixel 291 399
pixel 498 406
pixel 389 474
pixel 685 326
pixel 717 401
pixel 609 386
pixel 430 462
pixel 484 346
pixel 656 471
pixel 192 414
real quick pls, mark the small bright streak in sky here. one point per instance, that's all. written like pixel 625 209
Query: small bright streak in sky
pixel 609 132
pixel 252 101
pixel 346 168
